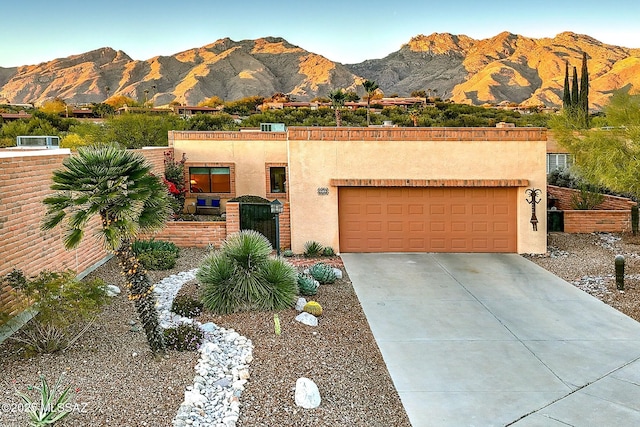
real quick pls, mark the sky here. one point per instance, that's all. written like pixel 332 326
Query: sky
pixel 345 31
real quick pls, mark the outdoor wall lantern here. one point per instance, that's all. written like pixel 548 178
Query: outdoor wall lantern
pixel 533 200
pixel 276 209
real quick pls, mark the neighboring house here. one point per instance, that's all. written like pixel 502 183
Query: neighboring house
pixel 383 189
pixel 558 157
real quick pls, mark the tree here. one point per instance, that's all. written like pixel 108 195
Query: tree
pixel 55 106
pixel 131 130
pixel 606 157
pixel 566 95
pixel 337 98
pixel 214 101
pixel 574 90
pixel 370 87
pixel 211 122
pixel 117 186
pixel 584 90
pixel 351 96
pixel 244 106
pixel 419 93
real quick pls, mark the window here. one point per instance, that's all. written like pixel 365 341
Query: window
pixel 558 161
pixel 276 174
pixel 277 179
pixel 215 179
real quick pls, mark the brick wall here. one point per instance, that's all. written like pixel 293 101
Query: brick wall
pixel 613 215
pixel 597 221
pixel 563 199
pixel 192 233
pixel 155 155
pixel 25 180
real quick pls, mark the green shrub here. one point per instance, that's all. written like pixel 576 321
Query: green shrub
pixel 307 285
pixel 186 306
pixel 184 337
pixel 328 251
pixel 65 308
pixel 157 260
pixel 323 273
pixel 288 253
pixel 243 276
pixel 140 246
pixel 586 199
pixel 156 254
pixel 312 249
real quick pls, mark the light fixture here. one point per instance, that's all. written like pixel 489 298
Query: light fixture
pixel 276 207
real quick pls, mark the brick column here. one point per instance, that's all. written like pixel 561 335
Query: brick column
pixel 233 217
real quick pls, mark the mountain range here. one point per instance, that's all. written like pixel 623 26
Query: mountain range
pixel 506 67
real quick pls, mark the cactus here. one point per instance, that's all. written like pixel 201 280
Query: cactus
pixel 307 285
pixel 634 219
pixel 313 307
pixel 323 273
pixel 287 253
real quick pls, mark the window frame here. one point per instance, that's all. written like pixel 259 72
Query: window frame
pixel 232 179
pixel 269 193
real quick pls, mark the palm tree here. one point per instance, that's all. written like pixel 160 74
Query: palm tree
pixel 370 87
pixel 338 98
pixel 117 185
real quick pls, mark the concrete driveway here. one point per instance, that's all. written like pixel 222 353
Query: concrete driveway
pixel 495 340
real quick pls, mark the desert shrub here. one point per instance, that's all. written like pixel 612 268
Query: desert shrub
pixel 288 253
pixel 64 308
pixel 323 273
pixel 586 199
pixel 184 337
pixel 140 246
pixel 243 276
pixel 328 251
pixel 312 249
pixel 156 254
pixel 157 260
pixel 186 306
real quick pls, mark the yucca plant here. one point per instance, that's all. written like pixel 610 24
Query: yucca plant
pixel 312 249
pixel 282 278
pixel 243 276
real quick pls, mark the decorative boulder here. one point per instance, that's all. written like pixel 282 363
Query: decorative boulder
pixel 301 303
pixel 307 393
pixel 112 290
pixel 307 319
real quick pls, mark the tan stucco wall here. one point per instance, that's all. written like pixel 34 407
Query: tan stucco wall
pixel 318 155
pixel 313 163
pixel 249 153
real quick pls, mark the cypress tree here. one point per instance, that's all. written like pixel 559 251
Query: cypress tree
pixel 575 103
pixel 566 96
pixel 583 103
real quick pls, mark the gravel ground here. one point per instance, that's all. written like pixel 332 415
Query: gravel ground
pixel 119 388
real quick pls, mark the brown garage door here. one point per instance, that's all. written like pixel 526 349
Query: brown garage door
pixel 433 219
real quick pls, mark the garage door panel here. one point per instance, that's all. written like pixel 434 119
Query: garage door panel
pixel 443 219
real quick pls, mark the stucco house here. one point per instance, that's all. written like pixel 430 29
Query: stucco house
pixel 383 189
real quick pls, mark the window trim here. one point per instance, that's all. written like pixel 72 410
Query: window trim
pixel 232 178
pixel 267 169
